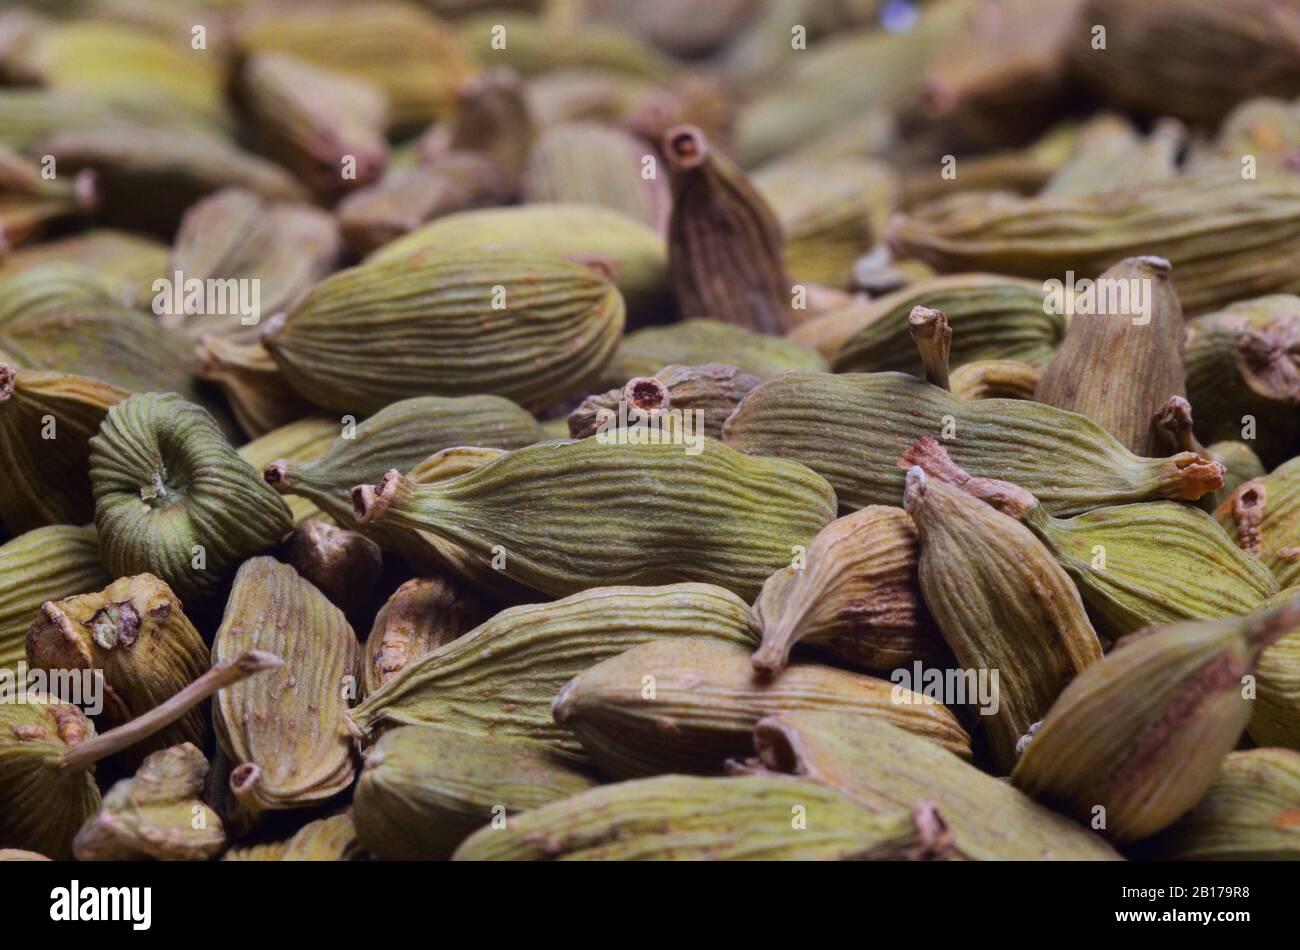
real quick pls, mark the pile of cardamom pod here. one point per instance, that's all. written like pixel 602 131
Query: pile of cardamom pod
pixel 608 429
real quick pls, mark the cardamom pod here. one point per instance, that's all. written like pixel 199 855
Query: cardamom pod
pixel 48 750
pixel 344 565
pixel 996 379
pixel 1276 719
pixel 159 813
pixel 1064 459
pixel 491 119
pixel 1135 565
pixel 1137 347
pixel 1002 604
pixel 41 565
pixel 1136 740
pixel 327 839
pixel 539 44
pixel 135 633
pixel 724 241
pixel 501 678
pixel 853 596
pixel 685 707
pixel 713 389
pixel 747 818
pixel 299 441
pixel 259 396
pixel 1266 128
pixel 1263 518
pixel 46 421
pixel 172 498
pixel 136 259
pixel 425 613
pixel 525 326
pixel 884 768
pixel 561 494
pixel 281 732
pixel 425 789
pixel 1112 155
pixel 15 854
pixel 29 203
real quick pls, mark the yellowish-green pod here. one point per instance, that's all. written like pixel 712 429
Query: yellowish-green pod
pixel 1263 517
pixel 886 768
pixel 282 733
pixel 662 512
pixel 501 678
pixel 326 839
pixel 259 396
pixel 853 428
pixel 46 421
pixel 992 318
pixel 530 327
pixel 680 818
pixel 637 255
pixel 136 259
pixel 1276 719
pixel 1250 813
pixel 43 564
pixel 425 789
pixel 540 44
pixel 1136 740
pixel 686 707
pixel 173 499
pixel 399 436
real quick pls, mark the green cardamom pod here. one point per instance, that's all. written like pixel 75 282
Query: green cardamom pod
pixel 136 259
pixel 850 429
pixel 43 564
pixel 529 327
pixel 173 499
pixel 528 653
pixel 1263 518
pixel 712 389
pixel 259 395
pixel 685 707
pixel 299 441
pixel 159 813
pixel 1002 604
pixel 1135 565
pixel 724 241
pixel 1112 155
pixel 46 422
pixel 1263 127
pixel 1276 719
pixel 746 818
pixel 135 633
pixel 29 203
pixel 996 379
pixel 344 565
pixel 561 494
pixel 1137 347
pixel 425 613
pixel 491 119
pixel 1136 740
pixel 281 733
pixel 853 596
pixel 1239 461
pixel 327 839
pixel 884 768
pixel 546 43
pixel 425 789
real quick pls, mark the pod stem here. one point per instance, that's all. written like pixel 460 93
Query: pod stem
pixel 370 503
pixel 933 338
pixel 933 459
pixel 8 379
pixel 1188 475
pixel 276 474
pixel 81 757
pixel 1265 630
pixel 1175 419
pixel 1248 503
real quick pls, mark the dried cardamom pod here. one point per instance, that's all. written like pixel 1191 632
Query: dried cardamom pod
pixel 490 119
pixel 996 379
pixel 991 821
pixel 1276 719
pixel 561 494
pixel 585 234
pixel 159 813
pixel 61 288
pixel 1228 238
pixel 425 789
pixel 174 499
pixel 423 614
pixel 1002 604
pixel 136 259
pixel 1243 375
pixel 1112 155
pixel 1249 813
pixel 1265 128
pixel 46 421
pixel 524 326
pixel 593 164
pixel 346 566
pixel 327 839
pixel 1239 461
pixel 1263 518
pixel 327 126
pixel 853 597
pixel 29 202
pixel 539 44
pixel 501 678
pixel 299 441
pixel 1134 565
pixel 135 633
pixel 713 389
pixel 1137 350
pixel 686 706
pixel 281 733
pixel 724 242
pixel 1136 740
pixel 703 341
pixel 48 750
pixel 677 817
pixel 259 396
pixel 41 565
pixel 236 238
pixel 398 437
pixel 992 318
pixel 405 199
pixel 850 428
